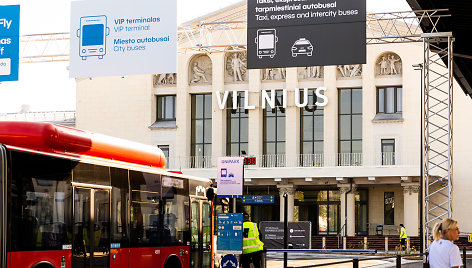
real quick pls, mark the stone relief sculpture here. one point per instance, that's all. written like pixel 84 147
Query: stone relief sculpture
pixel 198 74
pixel 236 67
pixel 387 65
pixel 274 74
pixel 311 72
pixel 351 70
pixel 165 79
pixel 392 61
pixel 200 69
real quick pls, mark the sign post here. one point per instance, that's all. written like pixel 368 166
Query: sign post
pixel 306 33
pixel 9 42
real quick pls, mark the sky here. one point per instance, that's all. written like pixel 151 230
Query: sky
pixel 47 86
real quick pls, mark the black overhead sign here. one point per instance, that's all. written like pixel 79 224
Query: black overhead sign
pixel 291 33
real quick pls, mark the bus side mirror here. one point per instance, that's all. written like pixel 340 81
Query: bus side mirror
pixel 210 193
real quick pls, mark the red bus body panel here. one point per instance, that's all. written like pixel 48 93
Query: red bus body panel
pixel 51 138
pixel 144 257
pixel 119 258
pixel 30 258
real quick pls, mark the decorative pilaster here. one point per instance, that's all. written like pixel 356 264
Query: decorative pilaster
pixel 291 201
pixel 411 204
pixel 348 208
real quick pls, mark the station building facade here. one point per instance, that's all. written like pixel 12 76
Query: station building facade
pixel 349 164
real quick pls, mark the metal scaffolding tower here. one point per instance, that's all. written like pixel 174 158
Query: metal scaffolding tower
pixel 437 130
pixel 393 27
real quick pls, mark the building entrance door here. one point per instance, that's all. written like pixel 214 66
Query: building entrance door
pixel 91 233
pixel 324 217
pixel 328 219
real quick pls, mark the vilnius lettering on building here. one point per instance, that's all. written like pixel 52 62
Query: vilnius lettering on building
pixel 268 99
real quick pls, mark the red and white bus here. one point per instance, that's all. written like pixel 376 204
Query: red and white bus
pixel 71 198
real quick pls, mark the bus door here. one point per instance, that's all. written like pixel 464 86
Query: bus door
pixel 201 233
pixel 91 233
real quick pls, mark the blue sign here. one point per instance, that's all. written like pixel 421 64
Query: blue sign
pixel 229 261
pixel 9 42
pixel 229 233
pixel 257 199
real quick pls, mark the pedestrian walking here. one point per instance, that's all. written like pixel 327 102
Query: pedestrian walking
pixel 442 252
pixel 403 236
pixel 252 246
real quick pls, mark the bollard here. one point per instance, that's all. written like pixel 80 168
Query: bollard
pixel 425 260
pixel 399 261
pixel 386 244
pixel 344 242
pixel 355 263
pixel 408 244
pixel 464 257
pixel 365 242
pixel 323 245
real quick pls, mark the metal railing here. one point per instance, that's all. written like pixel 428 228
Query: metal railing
pixel 311 160
pixel 276 160
pixel 56 116
pixel 301 160
pixel 347 159
pixel 355 260
pixel 383 229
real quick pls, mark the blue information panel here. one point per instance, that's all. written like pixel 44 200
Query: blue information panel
pixel 257 199
pixel 230 233
pixel 9 42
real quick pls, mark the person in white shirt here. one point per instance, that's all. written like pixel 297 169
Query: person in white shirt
pixel 442 252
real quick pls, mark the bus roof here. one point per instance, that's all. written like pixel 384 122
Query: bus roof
pixel 52 138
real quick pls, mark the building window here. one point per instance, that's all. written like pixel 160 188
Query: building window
pixel 350 127
pixel 362 211
pixel 274 134
pixel 236 128
pixel 388 152
pixel 201 131
pixel 165 150
pixel 165 108
pixel 389 208
pixel 389 100
pixel 312 132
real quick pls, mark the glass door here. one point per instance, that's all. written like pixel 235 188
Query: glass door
pixel 206 233
pixel 200 226
pixel 196 241
pixel 91 234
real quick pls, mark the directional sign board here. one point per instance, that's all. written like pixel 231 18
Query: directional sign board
pixel 230 177
pixel 123 37
pixel 9 42
pixel 299 234
pixel 229 233
pixel 291 33
pixel 257 199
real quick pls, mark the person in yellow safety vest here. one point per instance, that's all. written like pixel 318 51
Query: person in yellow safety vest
pixel 403 236
pixel 252 246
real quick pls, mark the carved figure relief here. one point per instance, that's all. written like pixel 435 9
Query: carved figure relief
pixel 165 79
pixel 350 70
pixel 274 74
pixel 236 69
pixel 388 64
pixel 311 72
pixel 200 70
